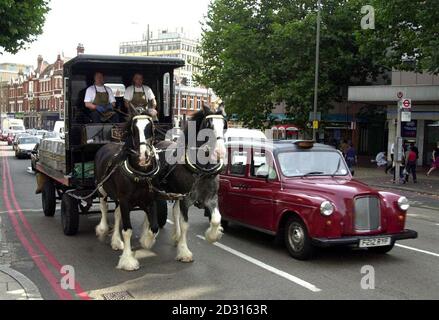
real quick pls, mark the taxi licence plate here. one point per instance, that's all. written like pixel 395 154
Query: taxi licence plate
pixel 375 242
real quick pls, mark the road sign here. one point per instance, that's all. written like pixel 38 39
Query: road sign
pixel 406 116
pixel 315 124
pixel 406 104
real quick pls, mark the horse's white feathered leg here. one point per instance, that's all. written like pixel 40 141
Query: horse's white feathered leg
pixel 116 240
pixel 215 231
pixel 127 260
pixel 147 240
pixel 102 228
pixel 183 252
pixel 176 231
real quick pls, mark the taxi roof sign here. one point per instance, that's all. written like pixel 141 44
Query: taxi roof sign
pixel 304 144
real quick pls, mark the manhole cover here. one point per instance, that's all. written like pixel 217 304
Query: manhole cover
pixel 122 295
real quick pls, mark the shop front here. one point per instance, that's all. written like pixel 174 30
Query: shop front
pixel 285 132
pixel 423 127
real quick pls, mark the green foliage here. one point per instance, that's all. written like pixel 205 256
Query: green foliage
pixel 21 21
pixel 404 29
pixel 260 52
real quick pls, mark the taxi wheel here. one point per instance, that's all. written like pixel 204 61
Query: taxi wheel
pixel 297 239
pixel 382 250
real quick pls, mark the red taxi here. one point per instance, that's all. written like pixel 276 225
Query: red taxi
pixel 304 193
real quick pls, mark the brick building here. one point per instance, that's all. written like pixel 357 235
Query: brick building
pixel 37 96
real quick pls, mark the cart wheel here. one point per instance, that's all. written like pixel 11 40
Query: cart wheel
pixel 162 212
pixel 48 199
pixel 69 215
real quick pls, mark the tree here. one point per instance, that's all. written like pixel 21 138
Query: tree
pixel 260 52
pixel 406 35
pixel 21 22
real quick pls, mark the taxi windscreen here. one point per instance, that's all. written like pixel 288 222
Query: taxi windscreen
pixel 312 163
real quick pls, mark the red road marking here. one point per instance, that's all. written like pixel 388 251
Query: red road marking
pixel 63 294
pixel 50 257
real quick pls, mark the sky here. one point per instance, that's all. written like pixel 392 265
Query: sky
pixel 102 24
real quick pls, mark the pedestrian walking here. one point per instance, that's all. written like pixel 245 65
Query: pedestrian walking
pixel 411 162
pixel 351 158
pixel 344 147
pixel 435 164
pixel 391 164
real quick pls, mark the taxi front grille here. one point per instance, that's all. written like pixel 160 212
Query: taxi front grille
pixel 367 214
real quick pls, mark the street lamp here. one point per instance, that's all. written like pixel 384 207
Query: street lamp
pixel 316 80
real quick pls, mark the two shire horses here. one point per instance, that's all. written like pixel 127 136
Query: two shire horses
pixel 137 173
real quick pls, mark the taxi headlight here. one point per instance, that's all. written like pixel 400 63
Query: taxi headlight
pixel 403 203
pixel 326 208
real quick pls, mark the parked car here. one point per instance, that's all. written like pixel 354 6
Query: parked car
pixel 10 138
pixel 4 135
pixel 16 137
pixel 305 195
pixel 25 146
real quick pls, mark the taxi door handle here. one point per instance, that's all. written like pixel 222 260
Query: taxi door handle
pixel 240 186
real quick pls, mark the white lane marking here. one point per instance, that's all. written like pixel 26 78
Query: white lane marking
pixel 170 221
pixel 418 250
pixel 265 266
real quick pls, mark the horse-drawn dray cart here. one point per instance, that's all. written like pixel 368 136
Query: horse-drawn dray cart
pixel 65 169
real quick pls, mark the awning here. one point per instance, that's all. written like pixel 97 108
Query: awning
pixel 421 94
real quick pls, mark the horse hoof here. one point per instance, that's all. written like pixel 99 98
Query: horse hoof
pixel 128 263
pixel 185 259
pixel 213 235
pixel 185 256
pixel 117 245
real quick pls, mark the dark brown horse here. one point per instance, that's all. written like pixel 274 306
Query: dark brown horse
pixel 132 167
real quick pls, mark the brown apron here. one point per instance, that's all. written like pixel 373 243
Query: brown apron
pixel 103 99
pixel 140 101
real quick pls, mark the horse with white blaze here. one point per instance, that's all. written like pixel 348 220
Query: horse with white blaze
pixel 197 179
pixel 131 167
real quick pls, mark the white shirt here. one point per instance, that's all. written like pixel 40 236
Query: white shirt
pixel 381 159
pixel 90 94
pixel 129 93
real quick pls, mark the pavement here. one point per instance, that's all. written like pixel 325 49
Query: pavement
pixel 245 264
pixel 13 284
pixel 378 178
